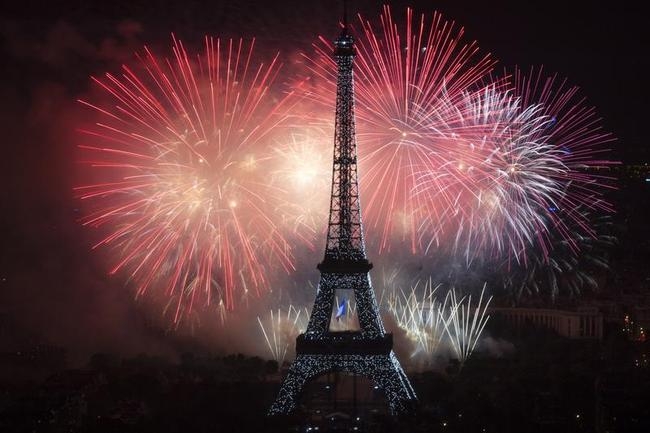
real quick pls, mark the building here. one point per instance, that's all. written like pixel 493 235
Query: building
pixel 585 323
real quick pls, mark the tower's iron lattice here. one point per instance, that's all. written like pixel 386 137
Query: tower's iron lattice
pixel 368 351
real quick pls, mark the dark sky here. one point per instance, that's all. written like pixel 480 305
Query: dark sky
pixel 52 289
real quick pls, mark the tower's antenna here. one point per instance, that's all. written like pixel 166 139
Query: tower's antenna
pixel 345 14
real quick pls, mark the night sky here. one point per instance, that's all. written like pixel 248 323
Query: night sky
pixel 54 290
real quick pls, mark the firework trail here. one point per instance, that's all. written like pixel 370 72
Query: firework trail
pixel 403 76
pixel 431 324
pixel 280 330
pixel 177 174
pixel 465 323
pixel 420 315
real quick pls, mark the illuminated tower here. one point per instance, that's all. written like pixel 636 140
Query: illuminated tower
pixel 367 351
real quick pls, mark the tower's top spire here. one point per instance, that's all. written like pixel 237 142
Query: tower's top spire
pixel 345 250
pixel 344 44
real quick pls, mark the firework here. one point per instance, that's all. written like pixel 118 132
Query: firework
pixel 465 323
pixel 431 324
pixel 403 77
pixel 576 131
pixel 497 174
pixel 420 315
pixel 301 168
pixel 178 183
pixel 280 330
pixel 507 169
pixel 563 270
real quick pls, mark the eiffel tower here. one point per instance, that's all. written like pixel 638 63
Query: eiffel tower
pixel 369 350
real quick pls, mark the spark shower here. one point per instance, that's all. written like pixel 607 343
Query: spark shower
pixel 209 169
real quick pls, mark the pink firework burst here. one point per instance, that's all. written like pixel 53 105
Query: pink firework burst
pixel 493 176
pixel 509 162
pixel 178 184
pixel 404 76
pixel 576 131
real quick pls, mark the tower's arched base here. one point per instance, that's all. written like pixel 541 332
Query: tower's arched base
pixel 384 370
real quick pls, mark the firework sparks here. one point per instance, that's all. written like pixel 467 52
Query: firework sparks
pixel 498 176
pixel 300 167
pixel 420 316
pixel 464 323
pixel 577 133
pixel 198 196
pixel 479 173
pixel 431 324
pixel 508 166
pixel 564 270
pixel 280 330
pixel 181 191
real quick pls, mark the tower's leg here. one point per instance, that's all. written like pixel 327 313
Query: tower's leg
pixel 384 370
pixel 367 309
pixel 401 396
pixel 304 368
pixel 321 314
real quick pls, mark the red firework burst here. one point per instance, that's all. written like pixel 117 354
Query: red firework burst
pixel 178 152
